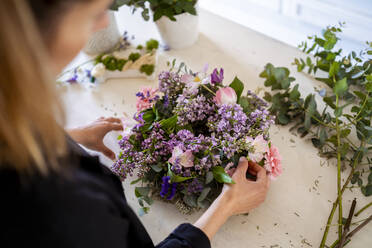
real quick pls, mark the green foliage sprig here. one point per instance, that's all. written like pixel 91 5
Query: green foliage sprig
pixel 160 8
pixel 348 110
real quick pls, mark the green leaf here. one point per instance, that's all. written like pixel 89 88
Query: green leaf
pixel 157 167
pixel 204 194
pixel 190 200
pixel 355 177
pixel 120 137
pixel 283 119
pixel 340 87
pixel 329 101
pixel 149 116
pixel 221 176
pixel 333 70
pixel 141 191
pixel 135 181
pixel 369 86
pixel 175 178
pixel 338 112
pixel 323 136
pixel 169 124
pixel 238 86
pixel 148 200
pixel 295 94
pixel 344 133
pixel 316 142
pixel 367 190
pixel 208 177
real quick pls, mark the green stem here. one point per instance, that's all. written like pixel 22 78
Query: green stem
pixel 205 87
pixel 363 208
pixel 339 175
pixel 72 69
pixel 335 203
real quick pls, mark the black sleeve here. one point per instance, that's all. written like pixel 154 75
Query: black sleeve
pixel 186 236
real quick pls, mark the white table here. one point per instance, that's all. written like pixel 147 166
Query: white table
pixel 296 209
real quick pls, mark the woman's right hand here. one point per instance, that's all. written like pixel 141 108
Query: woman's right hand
pixel 237 198
pixel 245 194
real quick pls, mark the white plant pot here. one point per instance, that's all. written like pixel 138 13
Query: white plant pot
pixel 179 34
pixel 104 40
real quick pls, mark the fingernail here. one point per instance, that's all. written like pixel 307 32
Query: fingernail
pixel 243 159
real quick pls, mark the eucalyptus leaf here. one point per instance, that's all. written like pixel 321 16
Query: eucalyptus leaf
pixel 340 87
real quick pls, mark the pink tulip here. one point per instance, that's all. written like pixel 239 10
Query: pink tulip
pixel 226 95
pixel 273 162
pixel 185 159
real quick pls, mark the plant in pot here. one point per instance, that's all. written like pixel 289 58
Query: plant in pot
pixel 176 20
pixel 106 39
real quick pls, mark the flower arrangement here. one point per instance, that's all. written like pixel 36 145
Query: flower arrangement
pixel 189 133
pixel 124 61
pixel 168 8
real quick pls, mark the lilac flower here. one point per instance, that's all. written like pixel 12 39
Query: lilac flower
pixel 192 110
pixel 217 77
pixel 195 186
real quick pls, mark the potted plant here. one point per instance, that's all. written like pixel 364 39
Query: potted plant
pixel 176 20
pixel 105 40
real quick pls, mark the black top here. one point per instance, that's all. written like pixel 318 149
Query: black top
pixel 83 207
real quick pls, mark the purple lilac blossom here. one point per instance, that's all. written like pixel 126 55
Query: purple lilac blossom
pixel 192 110
pixel 195 186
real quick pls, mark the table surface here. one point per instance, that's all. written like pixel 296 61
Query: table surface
pixel 298 203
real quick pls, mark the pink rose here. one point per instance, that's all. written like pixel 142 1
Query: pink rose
pixel 226 95
pixel 273 162
pixel 260 147
pixel 146 98
pixel 185 159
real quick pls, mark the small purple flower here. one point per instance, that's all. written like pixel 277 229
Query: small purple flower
pixel 165 188
pixel 173 191
pixel 73 79
pixel 217 77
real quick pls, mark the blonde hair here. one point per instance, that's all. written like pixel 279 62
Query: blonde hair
pixel 30 138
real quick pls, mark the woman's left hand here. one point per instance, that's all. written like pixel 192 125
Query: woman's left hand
pixel 91 136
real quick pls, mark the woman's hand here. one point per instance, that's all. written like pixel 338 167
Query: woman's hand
pixel 91 136
pixel 237 198
pixel 245 194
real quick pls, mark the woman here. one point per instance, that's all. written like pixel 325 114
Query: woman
pixel 53 193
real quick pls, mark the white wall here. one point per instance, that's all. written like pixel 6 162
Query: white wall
pixel 291 21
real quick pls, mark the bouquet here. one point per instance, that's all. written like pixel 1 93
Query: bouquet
pixel 189 133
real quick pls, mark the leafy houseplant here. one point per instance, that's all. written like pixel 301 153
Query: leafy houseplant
pixel 160 8
pixel 176 20
pixel 348 111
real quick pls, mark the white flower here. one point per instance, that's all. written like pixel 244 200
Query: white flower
pixel 260 147
pixel 98 70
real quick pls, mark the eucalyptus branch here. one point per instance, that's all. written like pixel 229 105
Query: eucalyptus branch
pixel 363 208
pixel 339 174
pixel 347 224
pixel 335 203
